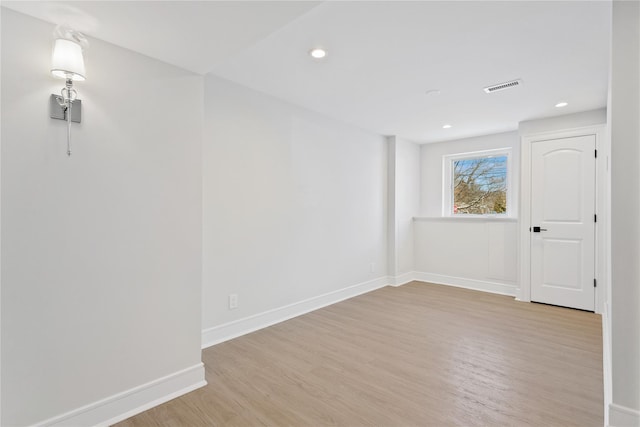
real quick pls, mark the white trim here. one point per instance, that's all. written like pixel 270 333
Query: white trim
pixel 236 328
pixel 392 224
pixel 602 208
pixel 402 279
pixel 123 405
pixel 524 284
pixel 621 416
pixel 603 211
pixel 461 282
pixel 466 218
pixel 606 363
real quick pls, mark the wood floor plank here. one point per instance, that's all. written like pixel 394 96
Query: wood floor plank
pixel 416 355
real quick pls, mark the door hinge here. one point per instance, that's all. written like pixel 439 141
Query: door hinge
pixel 596 153
pixel 594 283
pixel 595 218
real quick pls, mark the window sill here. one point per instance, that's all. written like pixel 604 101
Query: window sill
pixel 465 219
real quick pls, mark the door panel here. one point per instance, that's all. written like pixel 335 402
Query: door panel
pixel 567 274
pixel 561 193
pixel 563 206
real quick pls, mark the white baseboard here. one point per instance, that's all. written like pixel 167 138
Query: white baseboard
pixel 402 279
pixel 460 282
pixel 606 364
pixel 123 405
pixel 621 416
pixel 227 331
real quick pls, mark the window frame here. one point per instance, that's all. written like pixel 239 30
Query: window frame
pixel 447 181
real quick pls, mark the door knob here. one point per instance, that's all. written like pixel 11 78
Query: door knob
pixel 538 229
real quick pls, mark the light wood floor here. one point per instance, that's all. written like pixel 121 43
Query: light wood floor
pixel 417 355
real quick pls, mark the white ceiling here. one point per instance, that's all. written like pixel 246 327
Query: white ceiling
pixel 383 56
pixel 194 35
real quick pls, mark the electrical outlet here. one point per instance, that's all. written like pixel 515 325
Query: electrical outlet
pixel 373 267
pixel 233 301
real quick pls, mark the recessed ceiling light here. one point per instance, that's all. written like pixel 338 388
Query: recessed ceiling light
pixel 432 92
pixel 446 127
pixel 561 104
pixel 318 53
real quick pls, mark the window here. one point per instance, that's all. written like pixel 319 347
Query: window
pixel 477 183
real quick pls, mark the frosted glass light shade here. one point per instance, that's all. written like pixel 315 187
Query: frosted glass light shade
pixel 67 61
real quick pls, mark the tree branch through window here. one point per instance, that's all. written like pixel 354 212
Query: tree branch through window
pixel 480 185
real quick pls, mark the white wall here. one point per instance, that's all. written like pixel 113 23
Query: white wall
pixel 625 220
pixel 404 205
pixel 564 122
pixel 476 253
pixel 479 254
pixel 294 207
pixel 100 251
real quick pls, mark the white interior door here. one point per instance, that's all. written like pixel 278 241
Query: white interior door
pixel 563 222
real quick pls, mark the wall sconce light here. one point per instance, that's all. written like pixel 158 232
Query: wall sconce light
pixel 67 63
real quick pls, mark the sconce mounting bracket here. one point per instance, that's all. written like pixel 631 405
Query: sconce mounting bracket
pixel 60 113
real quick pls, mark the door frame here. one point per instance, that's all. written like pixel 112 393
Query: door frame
pixel 523 292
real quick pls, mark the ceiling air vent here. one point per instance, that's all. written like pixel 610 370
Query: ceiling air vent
pixel 503 86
